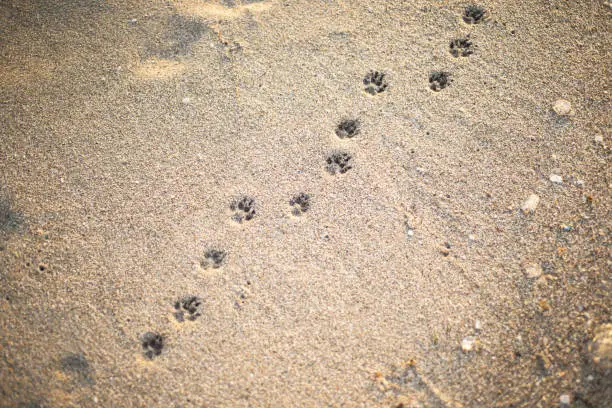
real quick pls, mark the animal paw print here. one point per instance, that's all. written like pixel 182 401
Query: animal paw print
pixel 244 209
pixel 375 82
pixel 300 203
pixel 347 128
pixel 152 344
pixel 213 258
pixel 188 308
pixel 474 14
pixel 439 80
pixel 339 163
pixel 461 47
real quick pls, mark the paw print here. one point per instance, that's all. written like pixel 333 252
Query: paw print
pixel 375 82
pixel 213 258
pixel 474 14
pixel 152 344
pixel 347 128
pixel 439 80
pixel 244 209
pixel 339 163
pixel 300 203
pixel 188 308
pixel 461 47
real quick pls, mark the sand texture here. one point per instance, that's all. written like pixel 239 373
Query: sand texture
pixel 305 203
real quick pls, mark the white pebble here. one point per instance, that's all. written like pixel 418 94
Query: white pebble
pixel 530 204
pixel 478 325
pixel 533 271
pixel 599 138
pixel 565 399
pixel 562 107
pixel 555 178
pixel 186 100
pixel 467 344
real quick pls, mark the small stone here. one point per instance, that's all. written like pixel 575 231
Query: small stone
pixel 555 178
pixel 410 233
pixel 562 107
pixel 564 400
pixel 530 204
pixel 186 100
pixel 533 271
pixel 478 325
pixel 467 344
pixel 599 138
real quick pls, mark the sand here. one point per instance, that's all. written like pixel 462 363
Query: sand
pixel 131 274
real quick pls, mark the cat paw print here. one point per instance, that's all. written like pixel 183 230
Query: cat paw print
pixel 300 203
pixel 213 258
pixel 188 308
pixel 461 47
pixel 243 208
pixel 439 80
pixel 338 162
pixel 375 82
pixel 152 344
pixel 474 14
pixel 347 128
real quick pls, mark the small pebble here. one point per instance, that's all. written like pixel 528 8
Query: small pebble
pixel 565 399
pixel 410 233
pixel 467 344
pixel 562 107
pixel 478 325
pixel 533 271
pixel 186 100
pixel 599 139
pixel 555 178
pixel 530 204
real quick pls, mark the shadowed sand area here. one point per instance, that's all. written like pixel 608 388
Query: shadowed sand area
pixel 305 203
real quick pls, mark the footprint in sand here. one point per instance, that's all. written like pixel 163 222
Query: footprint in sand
pixel 188 308
pixel 243 208
pixel 375 82
pixel 338 162
pixel 300 203
pixel 152 344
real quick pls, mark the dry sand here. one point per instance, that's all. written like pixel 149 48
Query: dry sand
pixel 129 127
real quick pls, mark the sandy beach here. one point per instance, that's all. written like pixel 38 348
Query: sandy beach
pixel 305 203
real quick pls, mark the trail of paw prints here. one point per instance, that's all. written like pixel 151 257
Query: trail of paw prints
pixel 213 259
pixel 439 80
pixel 300 203
pixel 152 344
pixel 348 128
pixel 243 209
pixel 188 308
pixel 375 82
pixel 338 162
pixel 461 47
